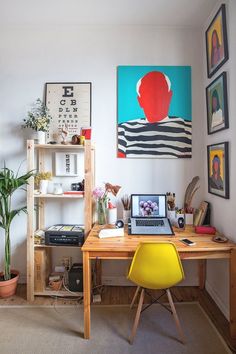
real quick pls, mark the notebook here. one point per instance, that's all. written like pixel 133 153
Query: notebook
pixel 149 215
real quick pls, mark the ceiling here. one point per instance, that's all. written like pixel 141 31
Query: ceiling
pixel 191 13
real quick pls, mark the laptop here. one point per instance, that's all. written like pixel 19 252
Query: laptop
pixel 149 215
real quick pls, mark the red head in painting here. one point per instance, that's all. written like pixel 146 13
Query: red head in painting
pixel 154 95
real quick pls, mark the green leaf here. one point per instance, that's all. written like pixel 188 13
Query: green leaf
pixel 15 212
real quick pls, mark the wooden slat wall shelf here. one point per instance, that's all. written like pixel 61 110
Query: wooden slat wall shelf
pixel 36 157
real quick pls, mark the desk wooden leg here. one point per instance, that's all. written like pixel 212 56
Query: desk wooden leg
pixel 232 305
pixel 87 293
pixel 202 273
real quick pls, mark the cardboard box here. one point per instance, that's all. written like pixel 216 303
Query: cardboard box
pixel 42 268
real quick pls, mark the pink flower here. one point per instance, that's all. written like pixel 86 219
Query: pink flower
pixel 98 192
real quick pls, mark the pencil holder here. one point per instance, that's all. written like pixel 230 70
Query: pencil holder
pixel 126 216
pixel 188 219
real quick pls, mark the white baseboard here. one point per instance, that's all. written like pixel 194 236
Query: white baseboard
pixel 217 300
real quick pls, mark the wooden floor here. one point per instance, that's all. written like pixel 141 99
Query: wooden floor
pixel 114 295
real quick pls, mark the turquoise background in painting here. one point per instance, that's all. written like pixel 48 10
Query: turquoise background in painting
pixel 127 78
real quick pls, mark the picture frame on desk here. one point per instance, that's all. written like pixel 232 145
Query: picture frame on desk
pixel 218 169
pixel 217 104
pixel 217 42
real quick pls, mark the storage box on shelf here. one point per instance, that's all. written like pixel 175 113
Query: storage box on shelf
pixel 36 158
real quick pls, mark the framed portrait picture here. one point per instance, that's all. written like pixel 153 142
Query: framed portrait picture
pixel 218 169
pixel 154 112
pixel 69 104
pixel 216 42
pixel 217 104
pixel 66 164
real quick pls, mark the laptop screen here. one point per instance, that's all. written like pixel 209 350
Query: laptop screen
pixel 148 205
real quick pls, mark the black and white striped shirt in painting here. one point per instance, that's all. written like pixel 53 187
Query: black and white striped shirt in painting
pixel 169 138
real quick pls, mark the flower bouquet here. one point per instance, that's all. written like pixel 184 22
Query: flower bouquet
pixel 101 196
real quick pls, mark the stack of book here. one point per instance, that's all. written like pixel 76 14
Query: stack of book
pixel 74 193
pixel 202 214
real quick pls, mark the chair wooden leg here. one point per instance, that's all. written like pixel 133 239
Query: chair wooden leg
pixel 135 296
pixel 179 328
pixel 137 316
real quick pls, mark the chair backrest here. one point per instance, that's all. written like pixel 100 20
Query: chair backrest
pixel 156 265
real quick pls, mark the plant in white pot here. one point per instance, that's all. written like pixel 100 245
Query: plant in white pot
pixel 41 181
pixel 39 120
pixel 9 183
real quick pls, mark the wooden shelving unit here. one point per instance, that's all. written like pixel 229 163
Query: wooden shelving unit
pixel 62 293
pixel 59 196
pixel 36 157
pixel 53 246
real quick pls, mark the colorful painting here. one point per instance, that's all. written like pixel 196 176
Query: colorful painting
pixel 154 112
pixel 216 42
pixel 217 104
pixel 218 169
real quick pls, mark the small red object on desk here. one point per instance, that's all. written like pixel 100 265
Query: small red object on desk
pixel 211 230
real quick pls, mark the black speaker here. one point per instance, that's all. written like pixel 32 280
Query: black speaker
pixel 181 222
pixel 75 277
pixel 119 223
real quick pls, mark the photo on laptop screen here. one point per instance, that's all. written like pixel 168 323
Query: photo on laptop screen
pixel 150 206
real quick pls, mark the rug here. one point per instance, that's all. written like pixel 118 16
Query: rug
pixel 59 330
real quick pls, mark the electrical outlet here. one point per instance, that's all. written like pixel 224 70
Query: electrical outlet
pixel 97 298
pixel 66 261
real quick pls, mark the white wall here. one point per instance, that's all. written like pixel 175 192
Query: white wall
pixel 32 55
pixel 223 210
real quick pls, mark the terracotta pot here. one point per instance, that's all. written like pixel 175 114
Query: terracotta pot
pixel 8 287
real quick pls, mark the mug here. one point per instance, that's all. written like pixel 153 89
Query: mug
pixel 111 215
pixel 180 221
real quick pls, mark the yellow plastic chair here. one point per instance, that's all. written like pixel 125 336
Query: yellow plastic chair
pixel 155 266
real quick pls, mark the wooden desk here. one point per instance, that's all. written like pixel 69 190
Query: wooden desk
pixel 124 248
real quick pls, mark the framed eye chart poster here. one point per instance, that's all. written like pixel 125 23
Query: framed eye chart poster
pixel 69 104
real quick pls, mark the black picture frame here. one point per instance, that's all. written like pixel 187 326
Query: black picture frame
pixel 218 159
pixel 70 105
pixel 221 50
pixel 216 94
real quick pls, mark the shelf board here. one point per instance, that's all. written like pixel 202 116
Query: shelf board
pixel 61 146
pixel 63 293
pixel 58 146
pixel 60 196
pixel 54 246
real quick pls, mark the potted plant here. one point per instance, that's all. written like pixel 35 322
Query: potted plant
pixel 9 183
pixel 38 119
pixel 41 180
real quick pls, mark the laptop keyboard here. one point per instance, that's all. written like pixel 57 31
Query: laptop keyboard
pixel 149 222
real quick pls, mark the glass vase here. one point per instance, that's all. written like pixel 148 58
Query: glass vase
pixel 101 212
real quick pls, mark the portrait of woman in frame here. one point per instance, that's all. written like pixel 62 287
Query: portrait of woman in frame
pixel 216 42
